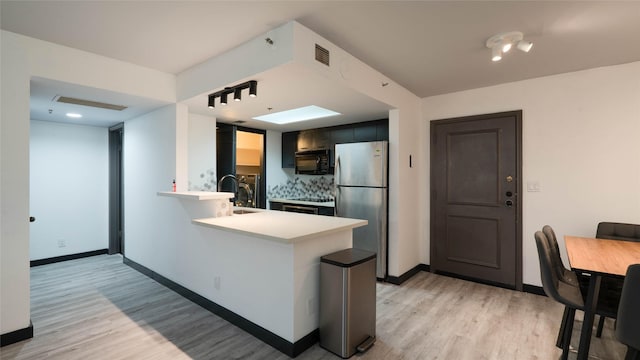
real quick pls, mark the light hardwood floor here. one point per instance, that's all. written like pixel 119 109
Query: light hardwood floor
pixel 99 308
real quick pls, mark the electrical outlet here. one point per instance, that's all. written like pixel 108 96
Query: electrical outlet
pixel 312 306
pixel 62 243
pixel 216 282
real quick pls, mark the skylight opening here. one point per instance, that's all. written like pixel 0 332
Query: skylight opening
pixel 300 114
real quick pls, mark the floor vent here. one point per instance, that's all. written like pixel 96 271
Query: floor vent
pixel 322 55
pixel 95 104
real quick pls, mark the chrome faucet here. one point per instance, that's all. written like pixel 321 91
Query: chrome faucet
pixel 235 181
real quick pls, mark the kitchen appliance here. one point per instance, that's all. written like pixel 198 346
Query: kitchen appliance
pixel 361 176
pixel 312 162
pixel 248 190
pixel 300 209
pixel 305 205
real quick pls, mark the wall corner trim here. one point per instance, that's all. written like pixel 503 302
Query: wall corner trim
pixel 17 335
pixel 398 280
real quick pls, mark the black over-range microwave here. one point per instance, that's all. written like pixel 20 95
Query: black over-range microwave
pixel 312 162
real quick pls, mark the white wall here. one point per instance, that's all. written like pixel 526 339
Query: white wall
pixel 149 151
pixel 404 221
pixel 160 236
pixel 14 186
pixel 21 59
pixel 69 188
pixel 581 136
pixel 275 174
pixel 202 152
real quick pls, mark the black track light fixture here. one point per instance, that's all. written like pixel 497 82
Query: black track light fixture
pixel 253 88
pixel 252 85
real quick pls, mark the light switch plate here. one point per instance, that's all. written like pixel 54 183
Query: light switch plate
pixel 533 186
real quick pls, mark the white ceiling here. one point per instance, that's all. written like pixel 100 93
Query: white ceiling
pixel 429 47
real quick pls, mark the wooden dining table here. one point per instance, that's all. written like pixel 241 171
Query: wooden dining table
pixel 598 258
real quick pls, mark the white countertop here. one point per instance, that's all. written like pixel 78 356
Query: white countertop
pixel 282 226
pixel 301 202
pixel 197 195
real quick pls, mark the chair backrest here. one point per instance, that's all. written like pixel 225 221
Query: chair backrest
pixel 618 231
pixel 628 323
pixel 556 260
pixel 562 293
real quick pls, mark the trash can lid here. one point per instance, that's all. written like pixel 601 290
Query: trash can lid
pixel 348 257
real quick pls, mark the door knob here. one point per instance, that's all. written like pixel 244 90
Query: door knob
pixel 32 219
pixel 509 203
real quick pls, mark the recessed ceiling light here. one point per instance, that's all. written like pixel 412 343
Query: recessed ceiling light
pixel 74 115
pixel 310 112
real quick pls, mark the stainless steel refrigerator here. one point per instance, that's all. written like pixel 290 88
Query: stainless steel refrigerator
pixel 361 192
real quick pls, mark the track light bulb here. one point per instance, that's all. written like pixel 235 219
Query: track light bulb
pixel 212 101
pixel 237 94
pixel 506 47
pixel 496 53
pixel 223 99
pixel 524 45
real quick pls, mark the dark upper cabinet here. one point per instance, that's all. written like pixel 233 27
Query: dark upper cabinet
pixel 305 140
pixel 322 139
pixel 328 137
pixel 382 130
pixel 365 132
pixel 289 147
pixel 314 139
pixel 342 134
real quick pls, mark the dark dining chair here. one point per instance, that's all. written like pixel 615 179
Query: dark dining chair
pixel 566 294
pixel 562 272
pixel 565 275
pixel 628 323
pixel 611 288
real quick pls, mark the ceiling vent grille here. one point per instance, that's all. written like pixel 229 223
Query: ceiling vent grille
pixel 322 55
pixel 95 104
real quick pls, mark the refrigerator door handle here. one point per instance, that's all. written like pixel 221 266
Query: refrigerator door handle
pixel 337 170
pixel 336 187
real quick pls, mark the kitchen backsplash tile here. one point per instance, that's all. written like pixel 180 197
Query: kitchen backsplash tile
pixel 303 186
pixel 205 182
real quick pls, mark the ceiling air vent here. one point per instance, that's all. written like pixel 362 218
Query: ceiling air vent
pixel 322 55
pixel 95 104
pixel 239 122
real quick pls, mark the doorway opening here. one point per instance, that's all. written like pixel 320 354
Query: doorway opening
pixel 240 152
pixel 116 199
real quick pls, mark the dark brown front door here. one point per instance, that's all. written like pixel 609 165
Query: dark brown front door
pixel 475 207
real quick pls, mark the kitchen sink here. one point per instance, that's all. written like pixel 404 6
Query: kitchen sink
pixel 243 211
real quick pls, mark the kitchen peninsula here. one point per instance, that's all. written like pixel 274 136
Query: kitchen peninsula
pixel 267 268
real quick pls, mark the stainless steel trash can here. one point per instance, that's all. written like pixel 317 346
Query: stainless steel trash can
pixel 348 301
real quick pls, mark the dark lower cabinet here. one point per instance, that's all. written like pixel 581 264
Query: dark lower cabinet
pixel 325 210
